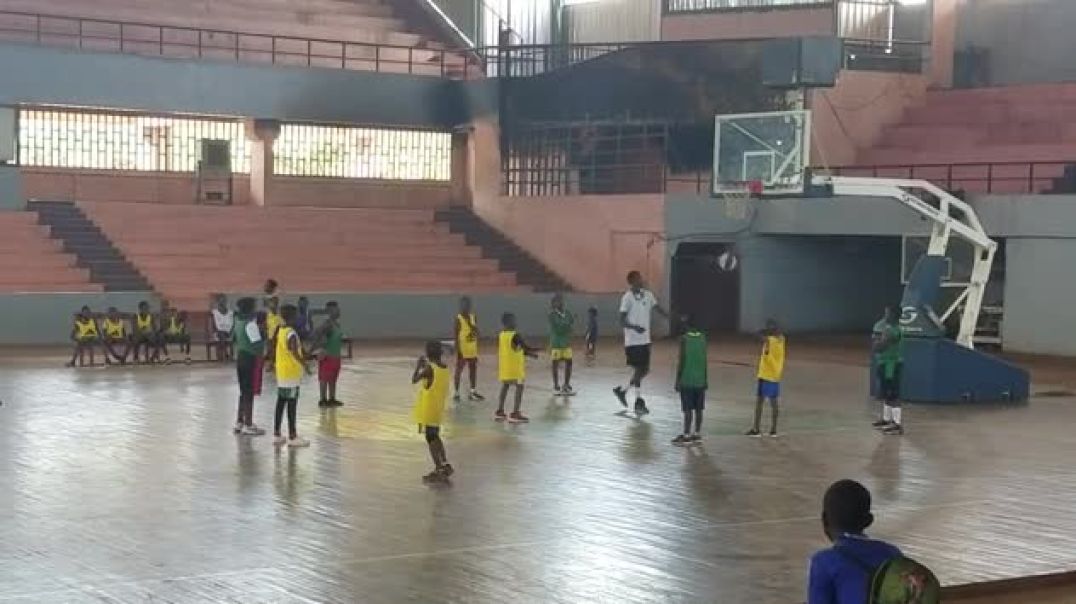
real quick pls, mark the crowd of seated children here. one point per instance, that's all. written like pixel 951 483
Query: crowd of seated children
pixel 142 337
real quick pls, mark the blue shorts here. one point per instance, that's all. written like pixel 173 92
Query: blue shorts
pixel 770 390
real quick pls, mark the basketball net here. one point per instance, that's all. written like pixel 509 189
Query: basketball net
pixel 738 198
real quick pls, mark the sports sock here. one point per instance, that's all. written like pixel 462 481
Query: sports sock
pixel 887 413
pixel 633 393
pixel 896 415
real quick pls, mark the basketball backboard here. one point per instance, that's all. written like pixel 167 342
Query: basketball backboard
pixel 772 148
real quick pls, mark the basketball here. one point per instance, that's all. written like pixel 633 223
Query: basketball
pixel 728 261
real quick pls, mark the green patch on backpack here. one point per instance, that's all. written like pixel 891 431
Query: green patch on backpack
pixel 902 580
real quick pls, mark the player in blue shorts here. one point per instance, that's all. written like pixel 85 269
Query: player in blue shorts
pixel 771 367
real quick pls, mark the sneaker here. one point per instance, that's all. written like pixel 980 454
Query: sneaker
pixel 880 423
pixel 447 470
pixel 475 396
pixel 335 403
pixel 252 430
pixel 681 440
pixel 893 430
pixel 518 418
pixel 557 391
pixel 323 403
pixel 567 391
pixel 456 397
pixel 753 433
pixel 238 428
pixel 640 407
pixel 695 438
pixel 435 476
pixel 298 442
pixel 187 360
pixel 499 416
pixel 279 440
pixel 621 395
pixel 773 433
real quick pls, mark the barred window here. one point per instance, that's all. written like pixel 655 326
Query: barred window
pixel 68 138
pixel 687 6
pixel 349 152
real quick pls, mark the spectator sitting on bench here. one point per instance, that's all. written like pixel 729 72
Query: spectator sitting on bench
pixel 116 337
pixel 221 321
pixel 145 334
pixel 84 334
pixel 174 331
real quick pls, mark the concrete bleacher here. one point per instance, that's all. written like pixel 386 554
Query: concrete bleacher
pixel 188 252
pixel 1007 127
pixel 234 30
pixel 32 262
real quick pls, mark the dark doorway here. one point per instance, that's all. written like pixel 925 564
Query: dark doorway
pixel 705 290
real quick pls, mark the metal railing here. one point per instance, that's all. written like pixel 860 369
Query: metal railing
pixel 1032 178
pixel 535 59
pixel 146 39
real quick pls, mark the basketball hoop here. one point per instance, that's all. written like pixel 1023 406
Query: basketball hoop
pixel 737 197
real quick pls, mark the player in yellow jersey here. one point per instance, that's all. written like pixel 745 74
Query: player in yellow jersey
pixel 174 331
pixel 432 375
pixel 116 337
pixel 273 321
pixel 290 367
pixel 84 334
pixel 465 332
pixel 771 368
pixel 145 333
pixel 511 368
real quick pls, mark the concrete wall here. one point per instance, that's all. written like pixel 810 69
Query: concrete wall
pixel 1029 41
pixel 43 75
pixel 1040 285
pixel 12 196
pixel 826 282
pixel 40 319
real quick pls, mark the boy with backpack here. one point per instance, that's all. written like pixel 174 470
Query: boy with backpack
pixel 858 569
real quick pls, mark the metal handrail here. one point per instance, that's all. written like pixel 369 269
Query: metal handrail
pixel 134 37
pixel 1031 175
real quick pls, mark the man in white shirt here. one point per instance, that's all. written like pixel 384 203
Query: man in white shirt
pixel 220 331
pixel 636 307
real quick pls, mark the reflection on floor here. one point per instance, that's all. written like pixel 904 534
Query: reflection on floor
pixel 126 484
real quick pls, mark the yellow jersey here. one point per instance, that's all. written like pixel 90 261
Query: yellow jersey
pixel 467 328
pixel 85 328
pixel 289 370
pixel 144 323
pixel 115 329
pixel 175 327
pixel 272 323
pixel 771 365
pixel 511 366
pixel 430 403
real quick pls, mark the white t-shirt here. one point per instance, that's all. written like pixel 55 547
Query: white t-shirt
pixel 223 321
pixel 638 307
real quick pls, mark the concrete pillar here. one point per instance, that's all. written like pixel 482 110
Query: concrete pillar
pixel 943 43
pixel 262 134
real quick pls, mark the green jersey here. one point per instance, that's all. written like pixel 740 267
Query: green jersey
pixel 241 337
pixel 889 355
pixel 334 340
pixel 560 329
pixel 693 361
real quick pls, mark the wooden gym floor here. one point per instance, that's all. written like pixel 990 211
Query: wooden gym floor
pixel 126 485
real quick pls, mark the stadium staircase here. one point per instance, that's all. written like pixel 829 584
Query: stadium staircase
pixel 77 235
pixel 32 262
pixel 509 256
